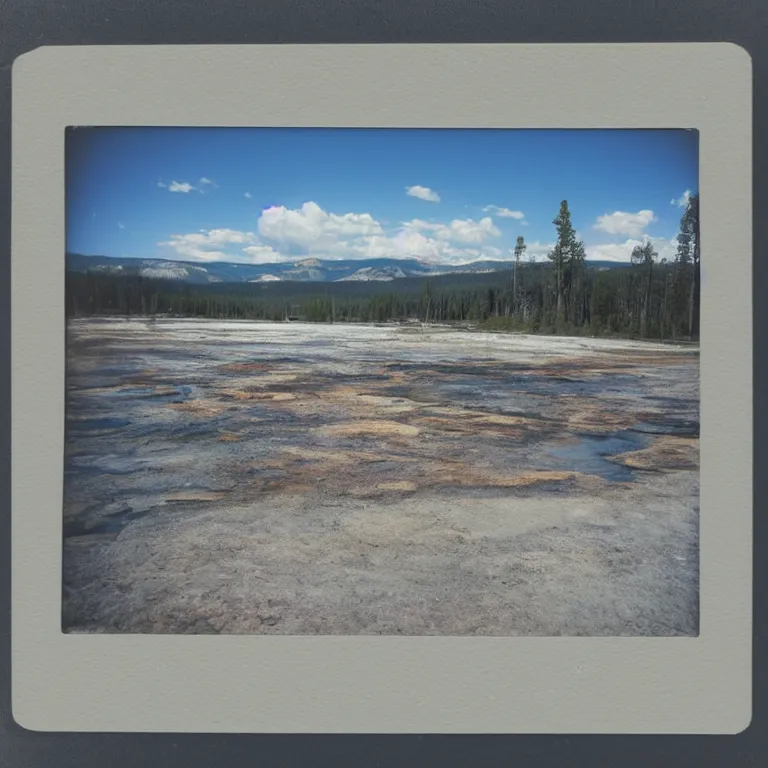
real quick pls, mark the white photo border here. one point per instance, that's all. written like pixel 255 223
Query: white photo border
pixel 272 684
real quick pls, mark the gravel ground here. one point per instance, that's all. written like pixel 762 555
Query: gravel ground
pixel 312 479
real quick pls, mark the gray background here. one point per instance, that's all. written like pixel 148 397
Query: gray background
pixel 369 22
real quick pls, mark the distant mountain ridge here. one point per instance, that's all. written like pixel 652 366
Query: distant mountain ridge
pixel 302 270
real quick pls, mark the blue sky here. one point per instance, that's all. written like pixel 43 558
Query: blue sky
pixel 261 195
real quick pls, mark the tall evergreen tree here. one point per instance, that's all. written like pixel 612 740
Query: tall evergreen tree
pixel 687 262
pixel 520 248
pixel 568 258
pixel 644 256
pixel 427 297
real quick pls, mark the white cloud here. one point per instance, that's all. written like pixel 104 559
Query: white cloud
pixel 217 237
pixel 537 251
pixel 612 251
pixel 285 234
pixel 217 245
pixel 405 244
pixel 204 181
pixel 311 228
pixel 177 186
pixel 423 193
pixel 682 201
pixel 248 195
pixel 120 225
pixel 623 223
pixel 493 253
pixel 665 248
pixel 409 244
pixel 465 231
pixel 469 231
pixel 262 254
pixel 504 213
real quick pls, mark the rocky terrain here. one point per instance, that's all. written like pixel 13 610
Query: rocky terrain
pixel 289 478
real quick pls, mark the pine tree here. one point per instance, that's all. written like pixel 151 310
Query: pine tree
pixel 644 256
pixel 520 248
pixel 687 262
pixel 568 251
pixel 427 297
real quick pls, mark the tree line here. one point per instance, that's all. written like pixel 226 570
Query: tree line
pixel 650 298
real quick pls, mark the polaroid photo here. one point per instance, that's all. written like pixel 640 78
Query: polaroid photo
pixel 382 388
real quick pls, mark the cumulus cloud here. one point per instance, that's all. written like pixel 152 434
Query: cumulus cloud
pixel 410 244
pixel 538 251
pixel 465 231
pixel 404 244
pixel 285 234
pixel 489 252
pixel 180 187
pixel 504 213
pixel 262 254
pixel 623 223
pixel 177 186
pixel 682 201
pixel 423 193
pixel 120 225
pixel 312 229
pixel 205 181
pixel 218 237
pixel 535 251
pixel 622 252
pixel 248 195
pixel 221 245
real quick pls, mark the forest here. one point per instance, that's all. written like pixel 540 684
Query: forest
pixel 650 298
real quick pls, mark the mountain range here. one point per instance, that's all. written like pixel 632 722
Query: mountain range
pixel 302 270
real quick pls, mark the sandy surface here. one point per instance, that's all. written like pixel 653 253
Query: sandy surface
pixel 289 479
